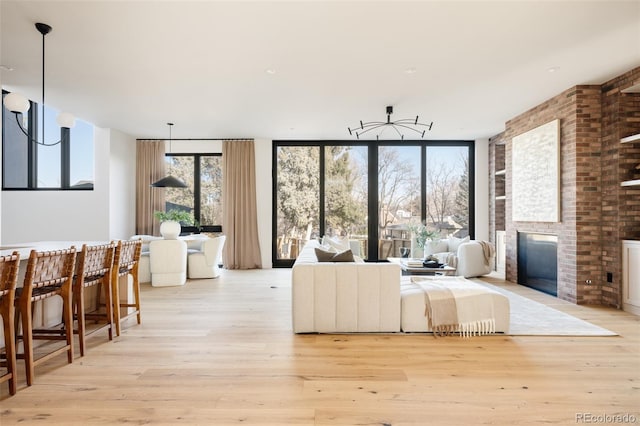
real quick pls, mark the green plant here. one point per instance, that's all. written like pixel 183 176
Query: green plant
pixel 181 216
pixel 421 233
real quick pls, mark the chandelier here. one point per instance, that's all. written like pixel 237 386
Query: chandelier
pixel 18 104
pixel 399 126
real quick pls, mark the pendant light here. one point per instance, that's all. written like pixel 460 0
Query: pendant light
pixel 19 105
pixel 169 181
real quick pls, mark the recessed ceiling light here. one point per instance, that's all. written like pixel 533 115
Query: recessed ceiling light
pixel 410 71
pixel 5 68
pixel 270 71
pixel 553 69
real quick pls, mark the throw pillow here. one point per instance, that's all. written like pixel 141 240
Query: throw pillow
pixel 454 243
pixel 324 255
pixel 343 256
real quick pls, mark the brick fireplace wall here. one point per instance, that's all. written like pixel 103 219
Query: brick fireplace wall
pixel 596 213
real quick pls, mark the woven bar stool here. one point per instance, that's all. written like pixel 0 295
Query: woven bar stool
pixel 93 269
pixel 125 264
pixel 48 274
pixel 8 279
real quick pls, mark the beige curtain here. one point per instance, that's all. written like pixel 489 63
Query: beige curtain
pixel 150 167
pixel 240 217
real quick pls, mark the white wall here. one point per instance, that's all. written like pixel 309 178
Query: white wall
pixel 122 185
pixel 77 215
pixel 482 189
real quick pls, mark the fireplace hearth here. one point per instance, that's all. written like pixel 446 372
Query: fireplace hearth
pixel 538 261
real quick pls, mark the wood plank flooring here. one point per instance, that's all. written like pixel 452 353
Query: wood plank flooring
pixel 218 352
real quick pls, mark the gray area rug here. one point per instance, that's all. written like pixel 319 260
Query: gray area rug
pixel 530 318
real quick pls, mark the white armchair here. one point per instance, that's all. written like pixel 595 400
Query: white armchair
pixel 472 258
pixel 168 262
pixel 204 263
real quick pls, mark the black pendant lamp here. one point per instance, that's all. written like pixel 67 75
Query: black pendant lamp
pixel 169 181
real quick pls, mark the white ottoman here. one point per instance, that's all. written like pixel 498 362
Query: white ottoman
pixel 413 307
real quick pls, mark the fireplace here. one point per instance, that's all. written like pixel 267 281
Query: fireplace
pixel 538 261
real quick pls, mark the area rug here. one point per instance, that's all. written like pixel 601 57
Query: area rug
pixel 530 318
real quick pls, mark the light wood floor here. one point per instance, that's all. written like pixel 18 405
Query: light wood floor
pixel 221 351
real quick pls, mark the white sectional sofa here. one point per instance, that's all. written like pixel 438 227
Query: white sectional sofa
pixel 348 297
pixel 330 297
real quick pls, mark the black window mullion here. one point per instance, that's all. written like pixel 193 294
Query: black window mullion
pixel 372 202
pixel 423 183
pixel 65 157
pixel 472 191
pixel 321 200
pixel 197 178
pixel 32 150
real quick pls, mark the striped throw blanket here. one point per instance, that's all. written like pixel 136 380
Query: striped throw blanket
pixel 457 305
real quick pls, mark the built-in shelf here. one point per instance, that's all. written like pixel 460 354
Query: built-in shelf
pixel 501 197
pixel 501 172
pixel 635 182
pixel 632 138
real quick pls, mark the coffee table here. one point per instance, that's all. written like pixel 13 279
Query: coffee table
pixel 420 270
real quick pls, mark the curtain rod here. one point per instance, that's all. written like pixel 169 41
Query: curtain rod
pixel 195 139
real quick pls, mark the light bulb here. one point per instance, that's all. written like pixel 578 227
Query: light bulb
pixel 66 119
pixel 15 102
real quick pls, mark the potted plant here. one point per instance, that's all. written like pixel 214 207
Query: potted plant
pixel 171 222
pixel 419 237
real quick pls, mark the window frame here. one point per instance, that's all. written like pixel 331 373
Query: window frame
pixel 372 199
pixel 197 194
pixel 32 154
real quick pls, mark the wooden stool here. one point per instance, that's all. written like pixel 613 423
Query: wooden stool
pixel 125 263
pixel 93 269
pixel 48 274
pixel 8 279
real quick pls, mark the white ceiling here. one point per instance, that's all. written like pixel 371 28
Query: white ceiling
pixel 135 65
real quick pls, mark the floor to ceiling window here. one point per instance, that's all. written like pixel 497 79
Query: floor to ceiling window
pixel 297 201
pixel 369 192
pixel 399 196
pixel 346 194
pixel 447 190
